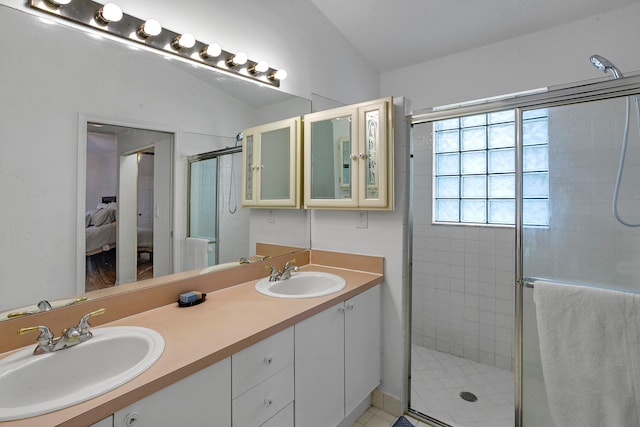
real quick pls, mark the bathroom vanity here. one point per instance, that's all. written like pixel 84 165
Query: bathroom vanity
pixel 243 358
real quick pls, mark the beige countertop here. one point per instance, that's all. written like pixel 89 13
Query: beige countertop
pixel 230 320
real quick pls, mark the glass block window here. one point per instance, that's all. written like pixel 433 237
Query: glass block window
pixel 474 169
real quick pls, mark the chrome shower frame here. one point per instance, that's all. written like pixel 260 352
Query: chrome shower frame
pixel 554 97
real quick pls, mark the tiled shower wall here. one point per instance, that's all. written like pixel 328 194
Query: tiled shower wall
pixel 584 243
pixel 463 276
pixel 233 229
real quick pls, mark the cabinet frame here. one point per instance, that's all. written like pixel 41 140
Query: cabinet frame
pixel 358 159
pixel 254 168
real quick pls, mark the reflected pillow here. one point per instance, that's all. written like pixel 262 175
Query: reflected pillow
pixel 103 216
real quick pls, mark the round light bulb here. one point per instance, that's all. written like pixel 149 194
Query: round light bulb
pixel 110 12
pixel 59 2
pixel 211 51
pixel 186 40
pixel 240 58
pixel 150 28
pixel 261 66
pixel 279 75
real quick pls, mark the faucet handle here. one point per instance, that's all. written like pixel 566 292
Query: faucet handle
pixel 43 330
pixel 44 305
pixel 45 339
pixel 288 263
pixel 84 325
pixel 274 274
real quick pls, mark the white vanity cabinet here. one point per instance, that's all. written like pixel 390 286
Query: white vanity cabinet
pixel 348 157
pixel 271 171
pixel 262 382
pixel 107 422
pixel 337 360
pixel 203 398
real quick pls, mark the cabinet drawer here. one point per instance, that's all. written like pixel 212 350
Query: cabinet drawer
pixel 255 364
pixel 283 418
pixel 263 401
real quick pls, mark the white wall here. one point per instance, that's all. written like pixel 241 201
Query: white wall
pixel 289 34
pixel 584 243
pixel 551 57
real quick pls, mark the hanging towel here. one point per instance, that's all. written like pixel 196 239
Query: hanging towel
pixel 196 254
pixel 590 351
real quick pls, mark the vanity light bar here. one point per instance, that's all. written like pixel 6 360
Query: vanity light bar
pixel 151 34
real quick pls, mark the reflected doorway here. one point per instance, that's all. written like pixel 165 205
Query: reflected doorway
pixel 128 201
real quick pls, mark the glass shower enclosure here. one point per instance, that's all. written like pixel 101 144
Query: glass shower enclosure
pixel 213 212
pixel 587 249
pixel 586 256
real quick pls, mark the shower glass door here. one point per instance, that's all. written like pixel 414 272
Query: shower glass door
pixel 203 203
pixel 583 243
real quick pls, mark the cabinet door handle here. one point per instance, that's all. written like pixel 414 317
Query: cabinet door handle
pixel 350 306
pixel 353 156
pixel 362 155
pixel 268 401
pixel 341 309
pixel 268 360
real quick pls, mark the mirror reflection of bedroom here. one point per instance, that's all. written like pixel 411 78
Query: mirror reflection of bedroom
pixel 121 208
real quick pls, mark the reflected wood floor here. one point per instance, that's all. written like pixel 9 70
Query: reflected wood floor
pixel 100 269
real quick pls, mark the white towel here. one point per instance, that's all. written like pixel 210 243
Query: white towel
pixel 590 351
pixel 196 254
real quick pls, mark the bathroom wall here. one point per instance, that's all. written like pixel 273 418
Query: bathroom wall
pixel 317 57
pixel 555 56
pixel 463 294
pixel 233 230
pixel 584 243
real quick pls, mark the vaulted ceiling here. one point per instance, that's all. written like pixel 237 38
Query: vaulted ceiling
pixel 394 34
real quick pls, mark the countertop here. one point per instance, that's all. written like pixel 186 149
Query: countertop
pixel 230 320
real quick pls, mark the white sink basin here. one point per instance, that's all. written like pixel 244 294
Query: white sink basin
pixel 33 385
pixel 304 284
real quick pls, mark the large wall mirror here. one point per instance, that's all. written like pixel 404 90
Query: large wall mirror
pixel 56 81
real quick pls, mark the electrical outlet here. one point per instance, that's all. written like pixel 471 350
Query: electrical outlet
pixel 362 220
pixel 271 217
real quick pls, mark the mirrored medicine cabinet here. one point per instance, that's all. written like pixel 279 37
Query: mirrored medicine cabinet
pixel 346 155
pixel 271 164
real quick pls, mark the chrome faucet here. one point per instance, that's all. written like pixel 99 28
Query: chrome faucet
pixel 277 275
pixel 288 268
pixel 71 336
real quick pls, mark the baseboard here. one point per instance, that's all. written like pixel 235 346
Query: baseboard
pixel 350 419
pixel 386 402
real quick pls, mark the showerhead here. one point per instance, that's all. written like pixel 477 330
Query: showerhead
pixel 239 137
pixel 603 64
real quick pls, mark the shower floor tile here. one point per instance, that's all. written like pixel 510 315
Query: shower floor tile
pixel 437 379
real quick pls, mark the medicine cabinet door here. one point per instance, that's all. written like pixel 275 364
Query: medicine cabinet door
pixel 330 140
pixel 374 162
pixel 271 171
pixel 348 162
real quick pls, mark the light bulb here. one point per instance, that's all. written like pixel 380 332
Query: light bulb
pixel 110 12
pixel 239 58
pixel 278 75
pixel 150 28
pixel 261 67
pixel 183 41
pixel 59 2
pixel 211 51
